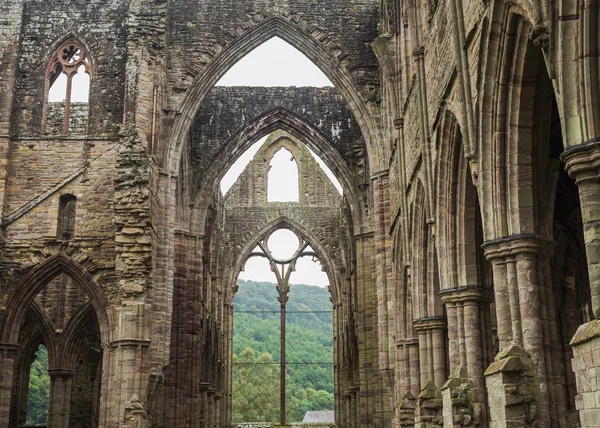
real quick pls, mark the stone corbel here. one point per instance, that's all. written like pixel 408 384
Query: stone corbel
pixel 540 36
pixel 406 410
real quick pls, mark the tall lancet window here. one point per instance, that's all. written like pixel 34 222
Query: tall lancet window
pixel 283 178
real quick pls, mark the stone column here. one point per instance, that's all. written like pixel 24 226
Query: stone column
pixel 59 406
pixel 432 360
pixel 12 11
pixel 464 392
pixel 583 164
pixel 518 380
pixel 210 408
pixel 348 404
pixel 8 353
pixel 204 386
pixel 355 408
pixel 432 349
pixel 407 369
pixel 217 410
pixel 126 369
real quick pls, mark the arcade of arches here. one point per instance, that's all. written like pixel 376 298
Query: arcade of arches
pixel 463 255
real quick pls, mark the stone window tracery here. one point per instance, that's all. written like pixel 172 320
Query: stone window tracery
pixel 283 249
pixel 68 76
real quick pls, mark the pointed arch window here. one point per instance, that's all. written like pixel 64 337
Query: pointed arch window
pixel 68 78
pixel 66 217
pixel 283 181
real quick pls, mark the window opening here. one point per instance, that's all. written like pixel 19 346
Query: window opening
pixel 66 217
pixel 39 389
pixel 239 165
pixel 68 78
pixel 299 368
pixel 283 178
pixel 336 183
pixel 275 63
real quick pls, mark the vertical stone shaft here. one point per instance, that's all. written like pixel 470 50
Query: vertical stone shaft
pixel 59 406
pixel 8 352
pixel 432 349
pixel 517 262
pixel 583 164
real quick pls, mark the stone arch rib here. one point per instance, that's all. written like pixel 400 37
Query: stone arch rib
pixel 75 328
pixel 266 123
pixel 35 281
pixel 275 26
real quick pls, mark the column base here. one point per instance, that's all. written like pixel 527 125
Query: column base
pixel 135 414
pixel 511 389
pixel 406 410
pixel 459 397
pixel 586 365
pixel 429 408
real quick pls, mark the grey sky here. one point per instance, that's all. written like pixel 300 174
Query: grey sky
pixel 275 63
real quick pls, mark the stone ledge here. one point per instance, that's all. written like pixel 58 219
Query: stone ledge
pixel 586 332
pixel 511 359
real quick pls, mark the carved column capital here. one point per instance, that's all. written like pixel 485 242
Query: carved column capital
pixel 465 294
pixel 60 372
pixel 130 343
pixel 10 349
pixel 399 122
pixel 582 162
pixel 430 324
pixel 512 246
pixel 419 53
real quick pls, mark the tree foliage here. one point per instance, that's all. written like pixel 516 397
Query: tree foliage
pixel 256 336
pixel 39 389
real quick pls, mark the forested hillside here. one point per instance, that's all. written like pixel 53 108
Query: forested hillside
pixel 256 339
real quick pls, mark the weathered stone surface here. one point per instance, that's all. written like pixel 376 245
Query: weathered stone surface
pixel 467 241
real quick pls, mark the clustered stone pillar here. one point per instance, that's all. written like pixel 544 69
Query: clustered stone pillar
pixel 518 380
pixel 464 392
pixel 432 360
pixel 126 371
pixel 8 353
pixel 59 407
pixel 583 164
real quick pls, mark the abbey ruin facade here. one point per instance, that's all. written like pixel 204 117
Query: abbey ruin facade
pixel 463 256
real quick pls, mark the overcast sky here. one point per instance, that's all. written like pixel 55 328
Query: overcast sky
pixel 275 63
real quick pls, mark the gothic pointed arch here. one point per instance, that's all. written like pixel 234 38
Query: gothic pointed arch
pixel 35 281
pixel 81 323
pixel 284 28
pixel 511 100
pixel 272 120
